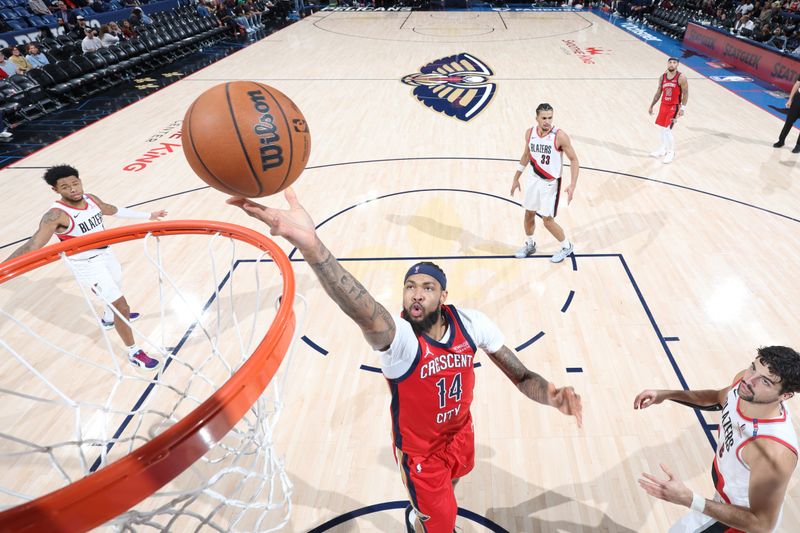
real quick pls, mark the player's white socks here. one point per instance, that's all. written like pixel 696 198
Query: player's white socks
pixel 530 240
pixel 133 349
pixel 565 243
pixel 667 140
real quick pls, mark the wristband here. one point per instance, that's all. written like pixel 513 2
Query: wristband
pixel 521 167
pixel 683 107
pixel 698 503
pixel 124 212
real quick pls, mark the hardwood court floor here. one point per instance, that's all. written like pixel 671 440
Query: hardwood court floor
pixel 692 263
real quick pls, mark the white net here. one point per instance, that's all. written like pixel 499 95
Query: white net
pixel 73 403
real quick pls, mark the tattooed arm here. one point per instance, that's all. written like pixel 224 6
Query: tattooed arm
pixel 536 387
pixel 296 226
pixel 49 224
pixel 374 320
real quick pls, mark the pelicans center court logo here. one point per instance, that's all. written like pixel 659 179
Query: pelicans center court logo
pixel 456 85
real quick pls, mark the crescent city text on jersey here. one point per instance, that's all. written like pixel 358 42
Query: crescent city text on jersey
pixel 444 362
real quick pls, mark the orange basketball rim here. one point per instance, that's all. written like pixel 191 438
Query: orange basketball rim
pixel 100 496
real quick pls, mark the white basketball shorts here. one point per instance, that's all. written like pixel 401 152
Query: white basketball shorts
pixel 101 273
pixel 541 195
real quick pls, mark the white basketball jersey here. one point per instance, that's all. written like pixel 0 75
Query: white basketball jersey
pixel 731 475
pixel 545 157
pixel 81 221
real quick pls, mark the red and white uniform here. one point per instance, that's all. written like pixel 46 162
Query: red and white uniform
pixel 670 100
pixel 432 383
pixel 729 472
pixel 96 269
pixel 543 184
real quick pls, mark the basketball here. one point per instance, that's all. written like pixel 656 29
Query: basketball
pixel 246 139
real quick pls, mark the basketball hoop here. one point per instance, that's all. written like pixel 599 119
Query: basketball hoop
pixel 169 446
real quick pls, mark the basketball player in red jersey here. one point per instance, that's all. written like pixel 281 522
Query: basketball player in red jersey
pixel 544 146
pixel 756 448
pixel 75 214
pixel 673 89
pixel 427 359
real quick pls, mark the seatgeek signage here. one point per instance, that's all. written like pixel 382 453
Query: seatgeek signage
pixel 773 67
pixel 13 38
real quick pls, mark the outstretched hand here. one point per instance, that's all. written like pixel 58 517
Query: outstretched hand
pixel 515 186
pixel 158 215
pixel 671 489
pixel 566 400
pixel 293 224
pixel 646 398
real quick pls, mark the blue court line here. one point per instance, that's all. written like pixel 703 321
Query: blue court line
pixel 671 339
pixel 402 504
pixel 574 369
pixel 569 301
pixel 128 418
pixel 529 341
pixel 667 351
pixel 574 262
pixel 314 345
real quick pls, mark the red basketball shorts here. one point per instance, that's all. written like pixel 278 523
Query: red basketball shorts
pixel 666 113
pixel 429 479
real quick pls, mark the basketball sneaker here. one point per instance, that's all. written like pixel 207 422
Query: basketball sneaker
pixel 658 154
pixel 5 134
pixel 527 250
pixel 142 360
pixel 669 157
pixel 108 325
pixel 562 254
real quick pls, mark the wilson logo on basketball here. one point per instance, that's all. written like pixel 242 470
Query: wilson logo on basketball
pixel 271 152
pixel 457 86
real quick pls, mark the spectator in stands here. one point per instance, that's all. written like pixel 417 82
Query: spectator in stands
pixel 127 29
pixel 91 43
pixel 242 20
pixel 762 34
pixel 723 21
pixel 45 33
pixel 765 17
pixel 744 26
pixel 62 16
pixel 78 30
pixel 202 10
pixel 98 6
pixel 106 37
pixel 793 40
pixel 138 17
pixel 745 7
pixel 793 103
pixel 38 7
pixel 4 134
pixel 19 60
pixel 114 30
pixel 8 68
pixel 36 58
